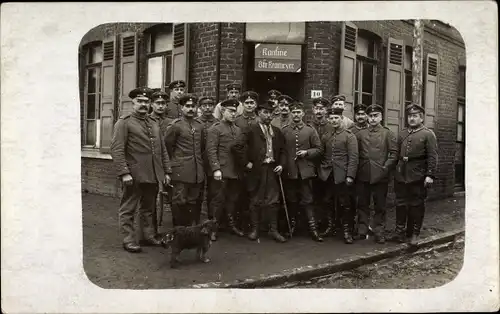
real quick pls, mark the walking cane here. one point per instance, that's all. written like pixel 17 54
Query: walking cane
pixel 284 203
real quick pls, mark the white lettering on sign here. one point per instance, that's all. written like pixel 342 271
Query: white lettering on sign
pixel 316 93
pixel 274 53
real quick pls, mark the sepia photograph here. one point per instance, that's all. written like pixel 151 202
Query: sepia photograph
pixel 249 157
pixel 319 154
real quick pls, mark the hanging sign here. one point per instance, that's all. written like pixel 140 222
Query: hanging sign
pixel 316 94
pixel 278 58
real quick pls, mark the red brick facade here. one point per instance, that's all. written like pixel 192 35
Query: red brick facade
pixel 217 56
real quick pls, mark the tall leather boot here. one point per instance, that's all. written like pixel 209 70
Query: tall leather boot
pixel 292 211
pixel 273 224
pixel 254 223
pixel 313 227
pixel 232 225
pixel 399 233
pixel 418 219
pixel 347 234
pixel 330 227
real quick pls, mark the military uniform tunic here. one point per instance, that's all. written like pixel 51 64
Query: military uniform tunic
pixel 377 156
pixel 279 122
pixel 137 149
pixel 244 121
pixel 174 109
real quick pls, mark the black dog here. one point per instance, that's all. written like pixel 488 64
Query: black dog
pixel 182 238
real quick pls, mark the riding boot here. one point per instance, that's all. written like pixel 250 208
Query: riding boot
pixel 313 227
pixel 254 223
pixel 347 234
pixel 232 225
pixel 330 228
pixel 273 224
pixel 418 218
pixel 399 233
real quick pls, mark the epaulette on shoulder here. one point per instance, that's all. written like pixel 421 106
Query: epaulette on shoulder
pixel 216 123
pixel 310 125
pixel 198 120
pixel 176 120
pixel 126 116
pixel 348 130
pixel 285 126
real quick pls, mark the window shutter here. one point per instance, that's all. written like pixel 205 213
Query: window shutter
pixel 108 88
pixel 431 89
pixel 347 74
pixel 394 85
pixel 128 70
pixel 180 58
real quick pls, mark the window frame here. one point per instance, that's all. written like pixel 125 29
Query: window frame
pixel 360 61
pixel 461 102
pixel 167 55
pixel 87 66
pixel 406 72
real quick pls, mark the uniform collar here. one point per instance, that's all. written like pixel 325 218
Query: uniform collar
pixel 155 117
pixel 253 116
pixel 204 118
pixel 410 130
pixel 361 127
pixel 139 116
pixel 299 125
pixel 339 129
pixel 373 129
pixel 320 122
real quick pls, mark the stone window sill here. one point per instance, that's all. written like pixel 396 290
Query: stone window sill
pixel 94 153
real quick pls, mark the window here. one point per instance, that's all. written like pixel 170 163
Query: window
pixel 366 69
pixel 92 94
pixel 408 76
pixel 159 53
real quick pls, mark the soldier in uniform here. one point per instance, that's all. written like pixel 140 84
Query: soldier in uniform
pixel 159 106
pixel 273 95
pixel 302 145
pixel 260 148
pixel 415 172
pixel 142 162
pixel 206 108
pixel 249 116
pixel 177 89
pixel 338 102
pixel 223 175
pixel 322 127
pixel 233 92
pixel 338 169
pixel 377 156
pixel 284 102
pixel 185 146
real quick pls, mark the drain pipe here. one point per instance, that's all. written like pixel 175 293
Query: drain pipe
pixel 217 62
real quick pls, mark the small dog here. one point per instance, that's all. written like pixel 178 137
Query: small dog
pixel 182 238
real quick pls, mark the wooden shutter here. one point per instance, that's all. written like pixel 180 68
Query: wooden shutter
pixel 431 89
pixel 128 70
pixel 347 75
pixel 108 88
pixel 180 50
pixel 394 85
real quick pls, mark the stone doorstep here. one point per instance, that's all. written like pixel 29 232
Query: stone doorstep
pixel 343 264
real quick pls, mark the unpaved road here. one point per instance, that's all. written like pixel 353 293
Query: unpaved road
pixel 422 269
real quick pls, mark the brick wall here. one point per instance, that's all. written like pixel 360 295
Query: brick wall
pixel 231 57
pixel 203 59
pixel 322 56
pixel 99 177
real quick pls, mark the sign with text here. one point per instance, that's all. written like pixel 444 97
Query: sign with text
pixel 278 58
pixel 316 93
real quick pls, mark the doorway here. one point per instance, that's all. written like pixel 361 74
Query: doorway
pixel 291 84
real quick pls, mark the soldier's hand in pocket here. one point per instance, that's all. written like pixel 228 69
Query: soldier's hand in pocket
pixel 428 182
pixel 349 181
pixel 127 179
pixel 218 175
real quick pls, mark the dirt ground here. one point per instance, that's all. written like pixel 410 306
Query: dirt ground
pixel 425 270
pixel 109 266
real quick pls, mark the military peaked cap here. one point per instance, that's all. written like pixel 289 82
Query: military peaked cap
pixel 159 95
pixel 414 108
pixel 206 99
pixel 321 101
pixel 359 107
pixel 187 97
pixel 230 103
pixel 177 84
pixel 249 94
pixel 297 106
pixel 140 91
pixel 337 111
pixel 273 93
pixel 268 104
pixel 286 98
pixel 233 86
pixel 374 108
pixel 338 98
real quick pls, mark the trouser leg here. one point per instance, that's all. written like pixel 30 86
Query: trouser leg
pixel 230 188
pixel 128 205
pixel 400 190
pixel 146 209
pixel 418 194
pixel 379 201
pixel 291 192
pixel 364 198
pixel 180 208
pixel 345 211
pixel 329 206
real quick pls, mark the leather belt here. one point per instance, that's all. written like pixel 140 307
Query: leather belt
pixel 406 158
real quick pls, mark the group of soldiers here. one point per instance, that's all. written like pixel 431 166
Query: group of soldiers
pixel 258 164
